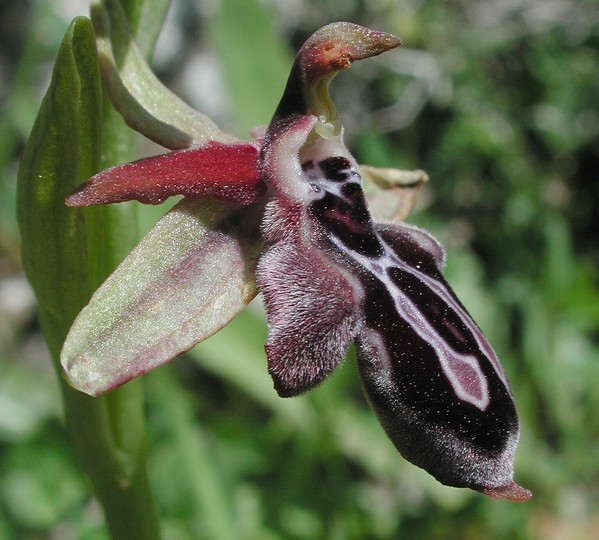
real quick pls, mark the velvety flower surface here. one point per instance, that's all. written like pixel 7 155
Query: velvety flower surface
pixel 295 221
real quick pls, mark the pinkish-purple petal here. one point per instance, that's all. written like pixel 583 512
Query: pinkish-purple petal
pixel 225 171
pixel 311 305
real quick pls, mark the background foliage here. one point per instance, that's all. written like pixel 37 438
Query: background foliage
pixel 499 102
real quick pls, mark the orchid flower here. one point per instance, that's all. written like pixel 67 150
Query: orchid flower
pixel 287 212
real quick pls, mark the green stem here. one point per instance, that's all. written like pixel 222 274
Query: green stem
pixel 108 435
pixel 107 447
pixel 66 254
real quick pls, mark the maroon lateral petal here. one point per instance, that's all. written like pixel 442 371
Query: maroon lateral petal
pixel 225 171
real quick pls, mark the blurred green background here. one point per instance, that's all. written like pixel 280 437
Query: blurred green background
pixel 499 102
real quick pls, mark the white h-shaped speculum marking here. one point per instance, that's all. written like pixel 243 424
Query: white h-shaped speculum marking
pixel 471 387
pixel 461 370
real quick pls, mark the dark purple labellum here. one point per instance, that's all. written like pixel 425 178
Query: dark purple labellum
pixel 331 275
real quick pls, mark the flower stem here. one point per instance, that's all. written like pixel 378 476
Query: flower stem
pixel 65 255
pixel 108 433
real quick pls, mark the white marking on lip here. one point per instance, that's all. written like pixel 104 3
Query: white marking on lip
pixel 461 370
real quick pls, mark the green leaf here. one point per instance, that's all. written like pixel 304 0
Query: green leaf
pixel 146 104
pixel 189 276
pixel 63 149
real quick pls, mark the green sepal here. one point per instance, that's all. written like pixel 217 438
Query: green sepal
pixel 63 149
pixel 187 278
